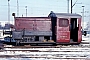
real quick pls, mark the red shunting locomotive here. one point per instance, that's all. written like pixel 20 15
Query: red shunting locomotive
pixel 58 28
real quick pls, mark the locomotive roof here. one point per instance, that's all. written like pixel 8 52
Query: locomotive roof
pixel 64 15
pixel 32 17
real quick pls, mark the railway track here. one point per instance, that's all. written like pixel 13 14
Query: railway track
pixel 58 46
pixel 81 51
pixel 55 53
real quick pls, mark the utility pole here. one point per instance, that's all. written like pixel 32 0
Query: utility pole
pixel 71 6
pixel 8 12
pixel 17 8
pixel 26 10
pixel 68 6
pixel 83 17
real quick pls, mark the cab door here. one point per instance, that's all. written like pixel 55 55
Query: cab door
pixel 63 33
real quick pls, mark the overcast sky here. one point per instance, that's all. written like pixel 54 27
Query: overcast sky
pixel 41 8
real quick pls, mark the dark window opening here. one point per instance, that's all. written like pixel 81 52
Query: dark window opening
pixel 74 30
pixel 47 37
pixel 36 38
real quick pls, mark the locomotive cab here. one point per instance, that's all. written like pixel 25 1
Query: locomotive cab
pixel 66 28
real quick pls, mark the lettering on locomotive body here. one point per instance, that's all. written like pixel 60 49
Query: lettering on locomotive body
pixel 63 35
pixel 63 29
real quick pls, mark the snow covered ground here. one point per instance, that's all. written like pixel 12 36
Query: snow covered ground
pixel 59 53
pixel 86 38
pixel 37 59
pixel 34 59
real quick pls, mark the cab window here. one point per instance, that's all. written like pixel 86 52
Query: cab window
pixel 63 22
